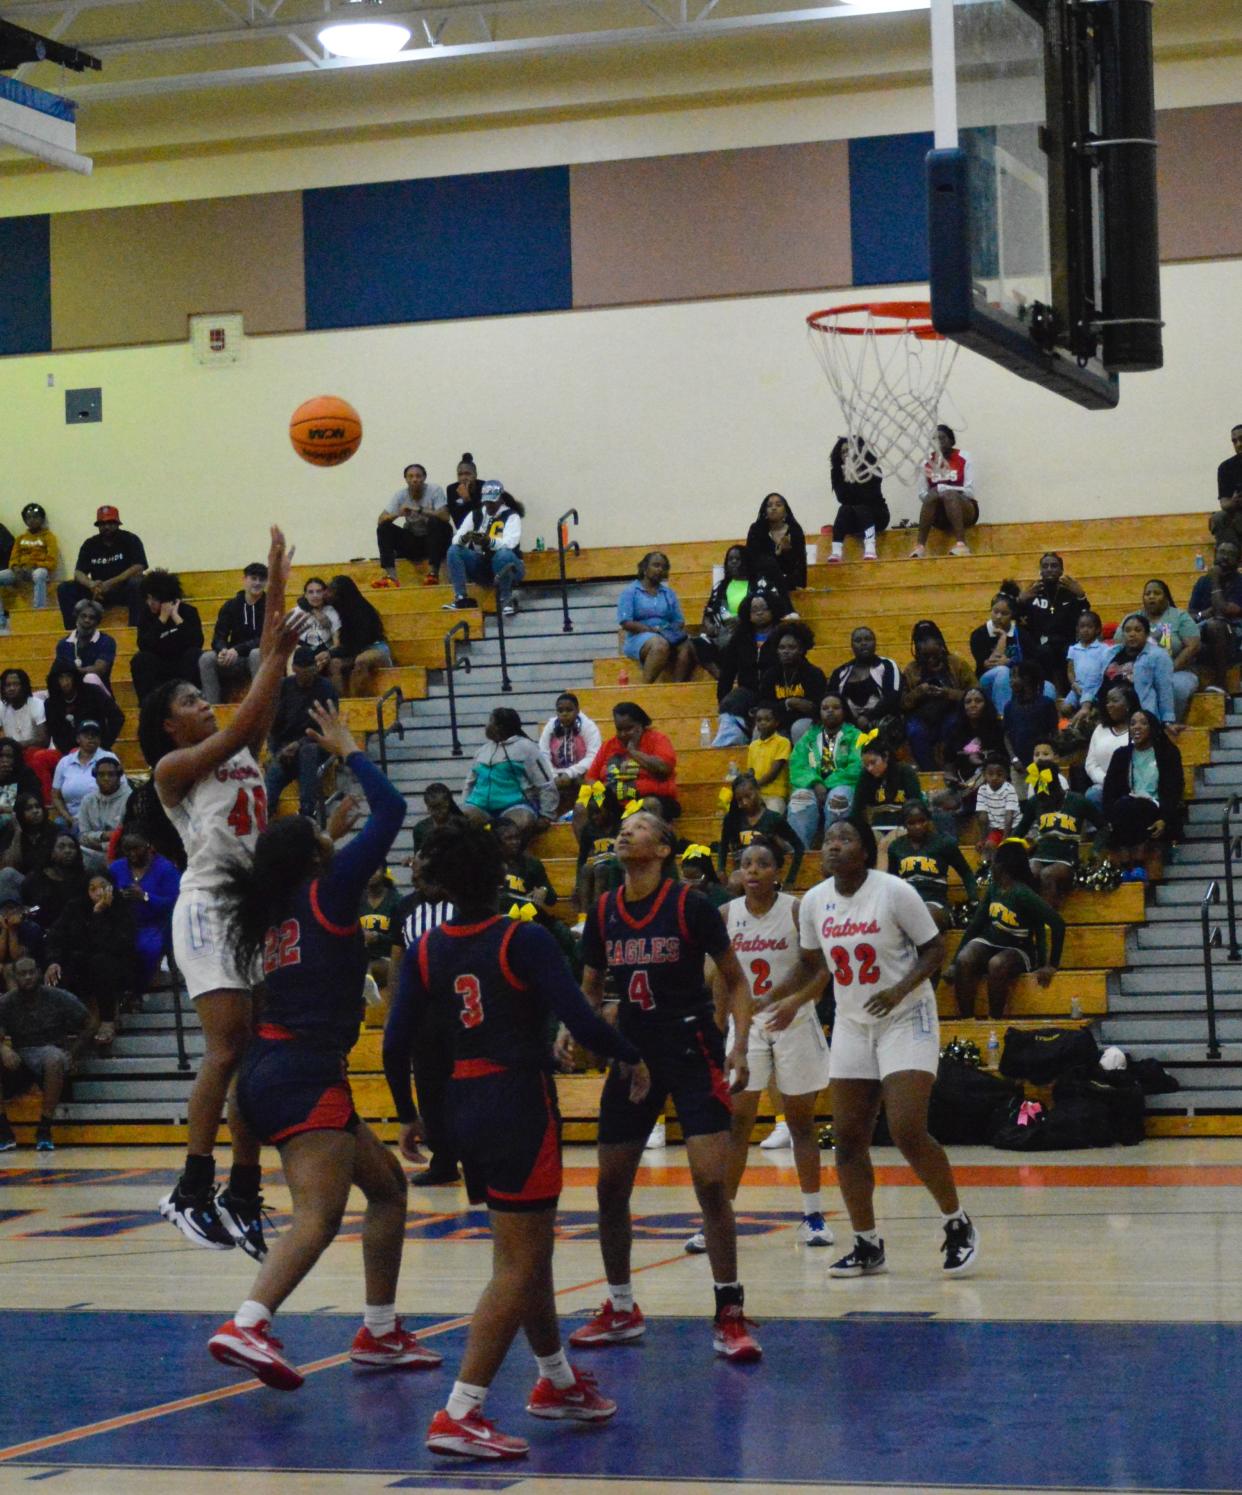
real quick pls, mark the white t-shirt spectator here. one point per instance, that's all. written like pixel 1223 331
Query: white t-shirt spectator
pixel 1104 743
pixel 432 498
pixel 870 941
pixel 321 627
pixel 571 755
pixel 997 804
pixel 19 722
pixel 75 780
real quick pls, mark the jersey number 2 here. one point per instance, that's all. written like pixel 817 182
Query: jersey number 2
pixel 468 989
pixel 843 971
pixel 240 817
pixel 761 977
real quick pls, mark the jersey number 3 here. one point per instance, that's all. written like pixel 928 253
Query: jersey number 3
pixel 468 989
pixel 843 970
pixel 240 817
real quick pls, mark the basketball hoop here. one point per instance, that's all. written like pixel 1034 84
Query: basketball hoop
pixel 887 366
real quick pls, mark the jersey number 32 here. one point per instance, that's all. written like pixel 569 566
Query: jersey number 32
pixel 843 969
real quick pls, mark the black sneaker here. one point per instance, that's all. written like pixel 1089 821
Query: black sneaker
pixel 243 1219
pixel 458 604
pixel 8 1141
pixel 431 1178
pixel 43 1137
pixel 961 1247
pixel 196 1217
pixel 864 1260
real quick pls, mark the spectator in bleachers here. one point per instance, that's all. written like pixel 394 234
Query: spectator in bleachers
pixel 1143 791
pixel 70 701
pixel 869 684
pixel 998 645
pixel 526 879
pixel 34 557
pixel 292 755
pixel 635 762
pixel 107 571
pixel 1030 716
pixel 1148 669
pixel 1175 632
pixel 599 871
pixel 103 807
pixel 75 773
pixel 649 614
pixel 747 817
pixel 61 878
pixel 23 720
pixel 824 771
pixel 750 655
pixel 975 732
pixel 793 682
pixel 16 780
pixel 1227 524
pixel 919 854
pixel 862 509
pixel 768 756
pixel 1216 605
pixel 88 651
pixel 414 524
pixel 1053 820
pixel 1115 708
pixel 884 787
pixel 1085 660
pixel 933 686
pixel 441 808
pixel 30 848
pixel 20 936
pixel 510 777
pixel 148 884
pixel 1050 608
pixel 466 493
pixel 569 741
pixel 381 929
pixel 323 623
pixel 91 949
pixel 777 536
pixel 362 650
pixel 43 1030
pixel 234 654
pixel 170 635
pixel 698 870
pixel 487 549
pixel 743 577
pixel 947 495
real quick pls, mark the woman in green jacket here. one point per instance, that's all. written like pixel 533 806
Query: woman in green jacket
pixel 824 769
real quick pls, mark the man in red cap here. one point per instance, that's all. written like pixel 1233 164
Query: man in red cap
pixel 108 569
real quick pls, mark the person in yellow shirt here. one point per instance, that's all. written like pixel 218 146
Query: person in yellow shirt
pixel 768 758
pixel 35 554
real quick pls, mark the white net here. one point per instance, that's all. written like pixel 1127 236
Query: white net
pixel 887 368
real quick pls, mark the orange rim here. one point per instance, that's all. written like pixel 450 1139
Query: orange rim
pixel 914 317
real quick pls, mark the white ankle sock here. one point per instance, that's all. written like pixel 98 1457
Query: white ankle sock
pixel 838 547
pixel 872 1237
pixel 812 1204
pixel 869 535
pixel 380 1318
pixel 251 1314
pixel 557 1369
pixel 621 1295
pixel 465 1399
pixel 958 1214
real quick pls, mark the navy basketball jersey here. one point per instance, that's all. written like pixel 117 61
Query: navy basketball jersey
pixel 654 949
pixel 313 972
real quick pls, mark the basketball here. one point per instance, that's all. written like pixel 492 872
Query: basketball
pixel 325 431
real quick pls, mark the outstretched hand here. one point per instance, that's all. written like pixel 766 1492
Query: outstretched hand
pixel 279 559
pixel 328 731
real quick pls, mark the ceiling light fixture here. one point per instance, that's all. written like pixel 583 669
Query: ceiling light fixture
pixel 364 41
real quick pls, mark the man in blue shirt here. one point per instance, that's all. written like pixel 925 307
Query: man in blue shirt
pixel 1216 605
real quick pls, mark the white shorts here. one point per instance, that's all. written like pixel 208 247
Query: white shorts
pixel 797 1056
pixel 909 1039
pixel 200 946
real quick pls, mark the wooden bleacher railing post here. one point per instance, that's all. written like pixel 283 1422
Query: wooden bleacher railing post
pixel 563 544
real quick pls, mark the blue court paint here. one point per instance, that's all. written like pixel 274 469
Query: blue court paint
pixel 876 1401
pixel 888 208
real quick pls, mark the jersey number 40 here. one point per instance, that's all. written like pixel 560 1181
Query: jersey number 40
pixel 242 818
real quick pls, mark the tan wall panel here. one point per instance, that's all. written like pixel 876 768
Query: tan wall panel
pixel 133 275
pixel 1195 165
pixel 720 223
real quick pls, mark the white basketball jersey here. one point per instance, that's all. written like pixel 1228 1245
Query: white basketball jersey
pixel 766 946
pixel 219 821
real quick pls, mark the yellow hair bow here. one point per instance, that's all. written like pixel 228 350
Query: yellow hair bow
pixel 864 738
pixel 1039 779
pixel 1017 841
pixel 725 797
pixel 632 807
pixel 695 852
pixel 589 792
pixel 523 912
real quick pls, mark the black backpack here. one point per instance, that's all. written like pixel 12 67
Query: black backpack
pixel 1043 1055
pixel 967 1104
pixel 1121 1107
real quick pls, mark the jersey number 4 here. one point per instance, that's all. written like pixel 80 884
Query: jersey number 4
pixel 471 994
pixel 640 992
pixel 241 818
pixel 843 970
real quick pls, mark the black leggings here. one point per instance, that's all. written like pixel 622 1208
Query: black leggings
pixel 395 540
pixel 857 519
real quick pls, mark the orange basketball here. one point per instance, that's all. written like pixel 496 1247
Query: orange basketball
pixel 325 431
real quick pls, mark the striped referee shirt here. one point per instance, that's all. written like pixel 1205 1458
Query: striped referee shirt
pixel 424 917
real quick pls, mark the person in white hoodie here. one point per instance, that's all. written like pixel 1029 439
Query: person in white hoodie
pixel 569 741
pixel 486 548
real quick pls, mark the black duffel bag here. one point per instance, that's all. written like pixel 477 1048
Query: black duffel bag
pixel 1122 1106
pixel 967 1103
pixel 1079 1121
pixel 1043 1055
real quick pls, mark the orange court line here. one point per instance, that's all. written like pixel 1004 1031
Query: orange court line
pixel 979 1176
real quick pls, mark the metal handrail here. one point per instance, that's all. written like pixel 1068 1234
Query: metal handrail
pixel 506 685
pixel 1230 845
pixel 561 547
pixel 1211 939
pixel 451 665
pixel 398 726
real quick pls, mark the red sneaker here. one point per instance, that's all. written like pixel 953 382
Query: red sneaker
pixel 472 1437
pixel 431 579
pixel 580 1402
pixel 610 1327
pixel 256 1351
pixel 381 582
pixel 733 1338
pixel 398 1347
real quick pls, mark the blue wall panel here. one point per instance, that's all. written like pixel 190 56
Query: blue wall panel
pixel 888 208
pixel 420 251
pixel 25 285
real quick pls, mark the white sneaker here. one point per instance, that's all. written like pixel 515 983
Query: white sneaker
pixel 778 1137
pixel 370 992
pixel 869 553
pixel 918 552
pixel 814 1231
pixel 961 548
pixel 835 559
pixel 656 1139
pixel 696 1245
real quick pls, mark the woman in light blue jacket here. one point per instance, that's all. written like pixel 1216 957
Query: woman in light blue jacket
pixel 1145 666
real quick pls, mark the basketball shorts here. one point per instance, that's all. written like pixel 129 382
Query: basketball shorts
pixel 285 1087
pixel 201 948
pixel 907 1039
pixel 506 1127
pixel 796 1058
pixel 687 1062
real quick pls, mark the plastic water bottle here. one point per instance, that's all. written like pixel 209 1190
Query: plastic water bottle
pixel 993 1051
pixel 1075 1007
pixel 1200 563
pixel 732 771
pixel 539 545
pixel 705 733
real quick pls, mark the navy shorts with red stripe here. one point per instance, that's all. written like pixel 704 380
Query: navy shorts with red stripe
pixel 506 1126
pixel 687 1061
pixel 285 1087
